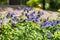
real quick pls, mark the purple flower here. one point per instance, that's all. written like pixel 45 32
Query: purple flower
pixel 46 23
pixel 45 20
pixel 54 22
pixel 34 20
pixel 18 8
pixel 38 16
pixel 27 9
pixel 29 19
pixel 32 15
pixel 14 19
pixel 42 13
pixel 37 20
pixel 48 35
pixel 43 25
pixel 11 14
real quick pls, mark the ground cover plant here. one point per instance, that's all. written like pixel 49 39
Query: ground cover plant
pixel 29 28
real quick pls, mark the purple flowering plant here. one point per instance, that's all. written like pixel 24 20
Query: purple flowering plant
pixel 10 14
pixel 31 28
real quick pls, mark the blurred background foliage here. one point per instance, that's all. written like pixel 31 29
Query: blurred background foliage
pixel 53 5
pixel 2 2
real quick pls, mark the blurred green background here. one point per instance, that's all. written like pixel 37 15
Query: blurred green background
pixel 53 5
pixel 3 2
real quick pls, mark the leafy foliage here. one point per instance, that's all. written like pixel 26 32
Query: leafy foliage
pixel 26 30
pixel 19 28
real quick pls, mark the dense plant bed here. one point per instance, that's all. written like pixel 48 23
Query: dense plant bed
pixel 29 26
pixel 24 30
